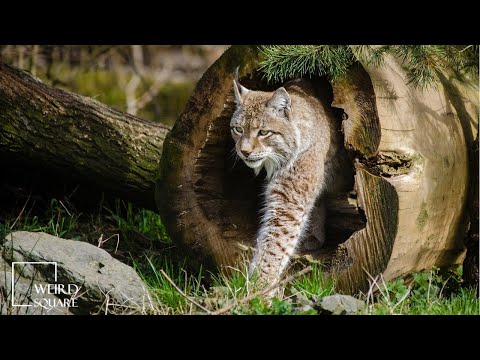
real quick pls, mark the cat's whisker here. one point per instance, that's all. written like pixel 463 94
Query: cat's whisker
pixel 235 159
pixel 234 155
pixel 233 152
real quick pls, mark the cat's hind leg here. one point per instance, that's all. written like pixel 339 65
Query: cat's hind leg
pixel 314 238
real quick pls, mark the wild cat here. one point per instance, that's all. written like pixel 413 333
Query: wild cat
pixel 293 136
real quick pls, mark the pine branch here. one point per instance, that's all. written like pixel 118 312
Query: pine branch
pixel 283 62
pixel 422 63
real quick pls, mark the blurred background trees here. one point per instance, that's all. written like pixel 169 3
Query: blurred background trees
pixel 150 81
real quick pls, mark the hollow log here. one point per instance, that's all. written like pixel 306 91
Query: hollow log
pixel 406 210
pixel 56 132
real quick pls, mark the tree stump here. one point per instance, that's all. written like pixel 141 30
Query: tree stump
pixel 407 208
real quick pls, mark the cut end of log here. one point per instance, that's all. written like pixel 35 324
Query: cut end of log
pixel 209 199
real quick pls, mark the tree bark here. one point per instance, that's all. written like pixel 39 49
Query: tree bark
pixel 65 133
pixel 406 211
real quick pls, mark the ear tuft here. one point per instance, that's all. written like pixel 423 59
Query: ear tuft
pixel 280 101
pixel 239 90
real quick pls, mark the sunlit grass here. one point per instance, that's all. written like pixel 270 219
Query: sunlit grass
pixel 231 288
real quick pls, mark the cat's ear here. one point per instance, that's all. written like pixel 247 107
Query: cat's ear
pixel 239 90
pixel 281 101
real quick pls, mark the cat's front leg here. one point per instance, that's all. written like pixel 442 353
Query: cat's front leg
pixel 276 244
pixel 288 207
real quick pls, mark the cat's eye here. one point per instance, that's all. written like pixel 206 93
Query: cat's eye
pixel 238 130
pixel 264 132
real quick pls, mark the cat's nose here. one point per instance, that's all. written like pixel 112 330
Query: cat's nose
pixel 246 153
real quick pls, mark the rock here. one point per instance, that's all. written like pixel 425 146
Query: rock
pixel 24 296
pixel 305 309
pixel 302 299
pixel 87 279
pixel 340 305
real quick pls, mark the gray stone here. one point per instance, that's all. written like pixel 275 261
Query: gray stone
pixel 24 296
pixel 102 281
pixel 341 304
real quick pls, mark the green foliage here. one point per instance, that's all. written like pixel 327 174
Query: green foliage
pixel 105 86
pixel 282 62
pixel 171 98
pixel 234 285
pixel 4 230
pixel 258 306
pixel 143 221
pixel 315 284
pixel 57 221
pixel 101 85
pixel 164 292
pixel 422 63
pixel 429 293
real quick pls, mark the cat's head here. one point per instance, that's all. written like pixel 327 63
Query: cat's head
pixel 262 128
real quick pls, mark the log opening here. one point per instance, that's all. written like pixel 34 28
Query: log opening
pixel 230 195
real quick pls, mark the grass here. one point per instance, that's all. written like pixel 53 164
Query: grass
pixel 427 293
pixel 57 221
pixel 138 237
pixel 315 284
pixel 142 221
pixel 161 288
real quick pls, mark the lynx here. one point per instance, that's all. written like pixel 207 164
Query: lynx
pixel 293 136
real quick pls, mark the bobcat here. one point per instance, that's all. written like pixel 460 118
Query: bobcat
pixel 293 136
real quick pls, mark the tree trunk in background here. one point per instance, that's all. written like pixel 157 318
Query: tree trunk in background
pixel 411 173
pixel 45 127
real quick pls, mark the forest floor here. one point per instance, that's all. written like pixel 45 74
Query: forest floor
pixel 138 238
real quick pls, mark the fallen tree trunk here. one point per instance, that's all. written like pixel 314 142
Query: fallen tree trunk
pixel 68 134
pixel 410 171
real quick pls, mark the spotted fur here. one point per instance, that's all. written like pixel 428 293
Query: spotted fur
pixel 292 135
